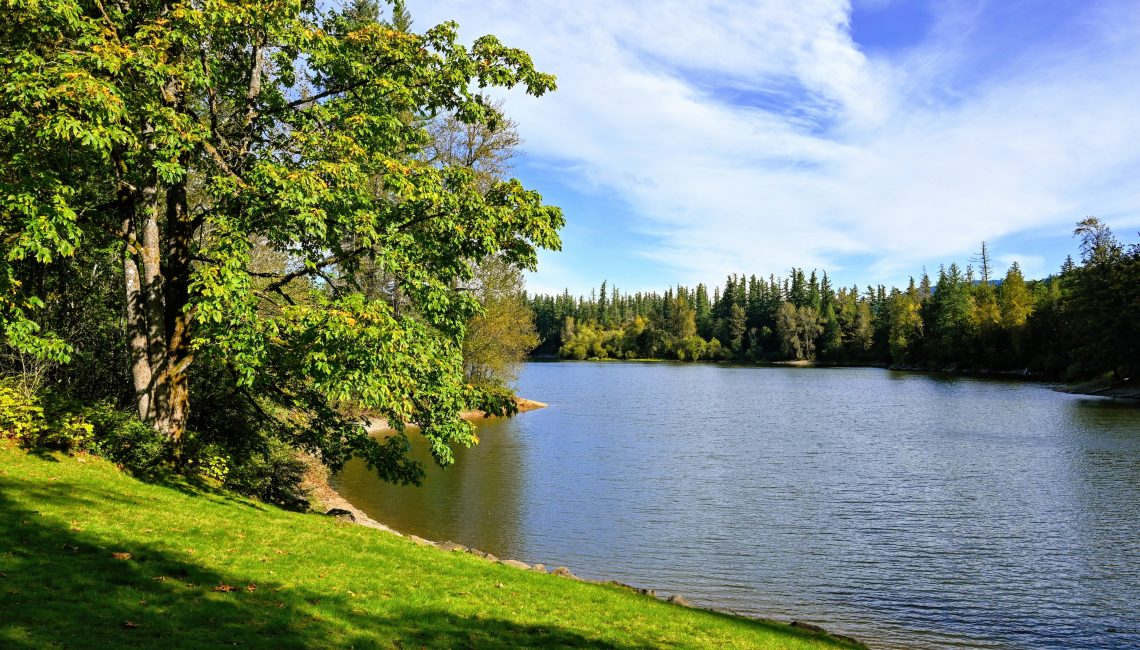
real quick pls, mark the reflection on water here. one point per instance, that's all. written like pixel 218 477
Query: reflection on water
pixel 909 510
pixel 477 498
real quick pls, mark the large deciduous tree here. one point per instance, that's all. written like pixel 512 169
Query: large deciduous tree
pixel 195 132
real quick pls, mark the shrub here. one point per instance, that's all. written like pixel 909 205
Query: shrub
pixel 243 458
pixel 276 475
pixel 66 425
pixel 21 418
pixel 124 439
pixel 47 422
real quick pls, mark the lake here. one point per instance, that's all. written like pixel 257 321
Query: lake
pixel 905 509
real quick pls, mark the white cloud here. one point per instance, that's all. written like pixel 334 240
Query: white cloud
pixel 1032 266
pixel 825 153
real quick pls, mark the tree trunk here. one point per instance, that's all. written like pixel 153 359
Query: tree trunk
pixel 158 324
pixel 142 279
pixel 157 282
pixel 175 383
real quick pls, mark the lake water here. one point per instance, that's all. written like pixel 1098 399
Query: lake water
pixel 905 509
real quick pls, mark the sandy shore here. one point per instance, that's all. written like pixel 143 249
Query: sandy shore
pixel 380 425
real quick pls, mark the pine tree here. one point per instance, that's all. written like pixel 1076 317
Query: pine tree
pixel 602 306
pixel 814 299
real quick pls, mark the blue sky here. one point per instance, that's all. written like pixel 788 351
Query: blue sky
pixel 689 140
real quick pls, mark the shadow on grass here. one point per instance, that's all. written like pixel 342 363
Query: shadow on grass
pixel 196 487
pixel 65 587
pixel 163 477
pixel 42 454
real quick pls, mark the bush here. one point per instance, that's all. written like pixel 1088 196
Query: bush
pixel 246 460
pixel 21 418
pixel 47 422
pixel 124 439
pixel 53 422
pixel 275 476
pixel 67 427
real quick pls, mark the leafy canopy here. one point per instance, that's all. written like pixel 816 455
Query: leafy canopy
pixel 287 127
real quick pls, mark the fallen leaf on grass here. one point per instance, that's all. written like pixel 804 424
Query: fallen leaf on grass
pixel 225 588
pixel 159 578
pixel 280 605
pixel 130 625
pixel 121 556
pixel 251 587
pixel 3 575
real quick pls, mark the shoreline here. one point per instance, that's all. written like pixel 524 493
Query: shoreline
pixel 335 505
pixel 1128 389
pixel 381 425
pixel 339 507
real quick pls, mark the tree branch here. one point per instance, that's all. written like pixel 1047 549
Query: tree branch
pixel 328 261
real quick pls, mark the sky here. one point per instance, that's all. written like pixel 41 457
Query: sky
pixel 868 138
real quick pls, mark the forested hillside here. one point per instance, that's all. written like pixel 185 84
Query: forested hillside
pixel 1080 322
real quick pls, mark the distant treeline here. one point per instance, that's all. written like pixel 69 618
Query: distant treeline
pixel 1083 321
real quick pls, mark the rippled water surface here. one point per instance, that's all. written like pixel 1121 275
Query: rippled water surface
pixel 907 510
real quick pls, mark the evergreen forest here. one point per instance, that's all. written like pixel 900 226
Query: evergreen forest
pixel 1081 322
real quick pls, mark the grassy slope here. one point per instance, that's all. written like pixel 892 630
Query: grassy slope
pixel 298 580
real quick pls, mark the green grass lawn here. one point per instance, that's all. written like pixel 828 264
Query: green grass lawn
pixel 90 557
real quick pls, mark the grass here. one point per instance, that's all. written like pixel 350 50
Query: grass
pixel 90 557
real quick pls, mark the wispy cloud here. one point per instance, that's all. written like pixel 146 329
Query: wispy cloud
pixel 757 136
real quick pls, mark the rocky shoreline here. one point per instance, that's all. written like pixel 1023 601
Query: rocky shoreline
pixel 337 506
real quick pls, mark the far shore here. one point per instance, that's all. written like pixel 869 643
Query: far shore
pixel 1128 389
